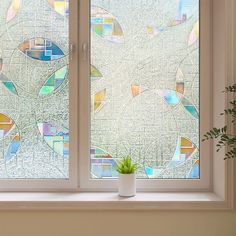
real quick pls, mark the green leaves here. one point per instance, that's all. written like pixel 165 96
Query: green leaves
pixel 221 134
pixel 231 89
pixel 231 154
pixel 214 133
pixel 125 166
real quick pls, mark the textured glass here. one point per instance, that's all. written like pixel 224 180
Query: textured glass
pixel 34 92
pixel 145 87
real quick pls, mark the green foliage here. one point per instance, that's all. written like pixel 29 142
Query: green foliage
pixel 231 88
pixel 222 134
pixel 126 166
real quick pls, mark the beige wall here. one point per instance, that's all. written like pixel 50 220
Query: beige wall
pixel 118 223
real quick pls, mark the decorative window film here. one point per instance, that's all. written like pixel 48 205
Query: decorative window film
pixel 34 91
pixel 145 87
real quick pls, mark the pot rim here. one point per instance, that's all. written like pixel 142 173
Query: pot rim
pixel 127 174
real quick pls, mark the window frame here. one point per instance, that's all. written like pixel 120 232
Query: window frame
pixel 70 184
pixel 202 184
pixel 219 196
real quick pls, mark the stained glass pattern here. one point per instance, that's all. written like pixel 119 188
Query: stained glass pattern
pixel 57 139
pixel 9 85
pixel 102 164
pixel 185 150
pixel 194 173
pixel 13 9
pixel 41 49
pixel 194 35
pixel 106 25
pixel 13 148
pixel 135 89
pixel 60 6
pixel 99 99
pixel 54 81
pixel 34 89
pixel 6 125
pixel 95 74
pixel 147 103
pixel 185 11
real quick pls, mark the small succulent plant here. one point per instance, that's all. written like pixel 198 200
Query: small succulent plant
pixel 126 166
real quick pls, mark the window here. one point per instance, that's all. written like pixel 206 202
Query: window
pixel 34 121
pixel 34 88
pixel 134 78
pixel 145 87
pixel 144 92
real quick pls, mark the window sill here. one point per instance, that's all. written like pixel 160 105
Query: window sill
pixel 111 201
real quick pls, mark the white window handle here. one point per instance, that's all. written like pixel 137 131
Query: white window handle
pixel 72 49
pixel 84 51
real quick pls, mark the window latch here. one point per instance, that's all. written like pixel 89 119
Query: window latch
pixel 84 51
pixel 72 49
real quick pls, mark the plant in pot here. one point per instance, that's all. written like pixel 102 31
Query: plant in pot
pixel 223 135
pixel 127 176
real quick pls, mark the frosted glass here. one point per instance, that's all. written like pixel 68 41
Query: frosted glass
pixel 34 94
pixel 145 87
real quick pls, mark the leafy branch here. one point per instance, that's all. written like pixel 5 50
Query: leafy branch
pixel 224 138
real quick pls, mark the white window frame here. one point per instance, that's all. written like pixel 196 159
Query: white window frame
pixel 202 184
pixel 220 193
pixel 70 184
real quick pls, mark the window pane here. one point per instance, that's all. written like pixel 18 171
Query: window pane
pixel 145 87
pixel 34 115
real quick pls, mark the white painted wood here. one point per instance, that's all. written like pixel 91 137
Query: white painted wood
pixel 111 201
pixel 70 184
pixel 202 184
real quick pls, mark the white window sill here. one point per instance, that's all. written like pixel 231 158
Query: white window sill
pixel 111 201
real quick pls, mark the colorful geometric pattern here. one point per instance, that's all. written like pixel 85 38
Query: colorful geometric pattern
pixel 41 49
pixel 57 139
pixel 106 25
pixel 194 35
pixel 13 147
pixel 179 81
pixel 9 85
pixel 185 150
pixel 174 98
pixel 150 87
pixel 195 171
pixel 6 125
pixel 135 89
pixel 95 74
pixel 171 96
pixel 186 9
pixel 153 31
pixel 60 6
pixel 13 9
pixel 34 90
pixel 99 100
pixel 190 108
pixel 102 164
pixel 54 81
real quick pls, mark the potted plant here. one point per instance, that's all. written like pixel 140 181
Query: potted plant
pixel 127 177
pixel 225 139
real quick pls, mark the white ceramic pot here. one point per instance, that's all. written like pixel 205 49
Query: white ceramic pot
pixel 127 185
